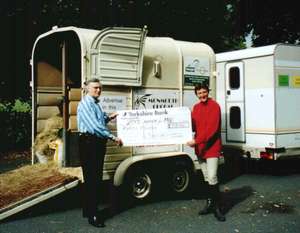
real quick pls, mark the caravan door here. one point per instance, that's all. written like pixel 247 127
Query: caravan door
pixel 235 102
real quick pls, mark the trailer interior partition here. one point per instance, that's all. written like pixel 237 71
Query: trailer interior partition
pixel 57 85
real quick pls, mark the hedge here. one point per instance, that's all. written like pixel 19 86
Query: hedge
pixel 15 125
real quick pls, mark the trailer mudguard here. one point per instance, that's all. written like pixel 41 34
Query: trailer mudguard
pixel 127 163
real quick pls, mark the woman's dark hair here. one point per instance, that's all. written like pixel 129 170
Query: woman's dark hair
pixel 201 86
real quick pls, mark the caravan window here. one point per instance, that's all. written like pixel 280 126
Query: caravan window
pixel 235 117
pixel 234 77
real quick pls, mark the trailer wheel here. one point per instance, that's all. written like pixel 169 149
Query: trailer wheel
pixel 139 184
pixel 180 179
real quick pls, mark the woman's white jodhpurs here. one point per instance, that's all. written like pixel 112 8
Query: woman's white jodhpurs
pixel 209 169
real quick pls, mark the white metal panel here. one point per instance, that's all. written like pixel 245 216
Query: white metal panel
pixel 287 109
pixel 260 112
pixel 288 63
pixel 259 73
pixel 287 83
pixel 235 99
pixel 287 100
pixel 117 55
pixel 287 55
pixel 246 53
pixel 254 140
pixel 259 95
pixel 291 140
pixel 220 92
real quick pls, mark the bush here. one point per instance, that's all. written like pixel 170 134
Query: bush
pixel 15 125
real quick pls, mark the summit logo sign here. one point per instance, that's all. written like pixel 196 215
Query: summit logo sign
pixel 161 99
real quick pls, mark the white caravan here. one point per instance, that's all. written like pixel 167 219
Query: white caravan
pixel 259 92
pixel 136 72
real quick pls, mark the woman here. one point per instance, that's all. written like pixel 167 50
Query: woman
pixel 206 119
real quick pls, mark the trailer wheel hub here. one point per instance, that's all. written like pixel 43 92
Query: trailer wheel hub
pixel 141 186
pixel 180 180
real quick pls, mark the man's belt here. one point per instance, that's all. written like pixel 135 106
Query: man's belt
pixel 89 135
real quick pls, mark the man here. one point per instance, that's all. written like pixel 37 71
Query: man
pixel 206 119
pixel 93 135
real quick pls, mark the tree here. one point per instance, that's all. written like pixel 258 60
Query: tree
pixel 207 21
pixel 22 21
pixel 270 21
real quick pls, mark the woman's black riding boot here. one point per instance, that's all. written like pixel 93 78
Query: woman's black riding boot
pixel 216 196
pixel 208 208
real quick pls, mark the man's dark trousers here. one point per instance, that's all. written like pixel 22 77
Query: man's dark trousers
pixel 92 150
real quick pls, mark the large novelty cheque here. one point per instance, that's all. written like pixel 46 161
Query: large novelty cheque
pixel 154 126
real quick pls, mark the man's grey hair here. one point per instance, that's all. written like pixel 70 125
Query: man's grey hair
pixel 92 80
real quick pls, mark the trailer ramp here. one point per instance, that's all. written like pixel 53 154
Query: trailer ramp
pixel 27 186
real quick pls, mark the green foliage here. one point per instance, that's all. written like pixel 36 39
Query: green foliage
pixel 235 43
pixel 20 106
pixel 4 107
pixel 60 13
pixel 15 127
pixel 211 22
pixel 216 23
pixel 270 21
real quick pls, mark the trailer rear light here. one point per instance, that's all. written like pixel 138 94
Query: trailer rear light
pixel 266 155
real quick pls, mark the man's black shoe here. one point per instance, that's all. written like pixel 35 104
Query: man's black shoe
pixel 96 222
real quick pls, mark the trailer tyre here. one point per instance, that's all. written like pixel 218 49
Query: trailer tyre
pixel 180 179
pixel 139 184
